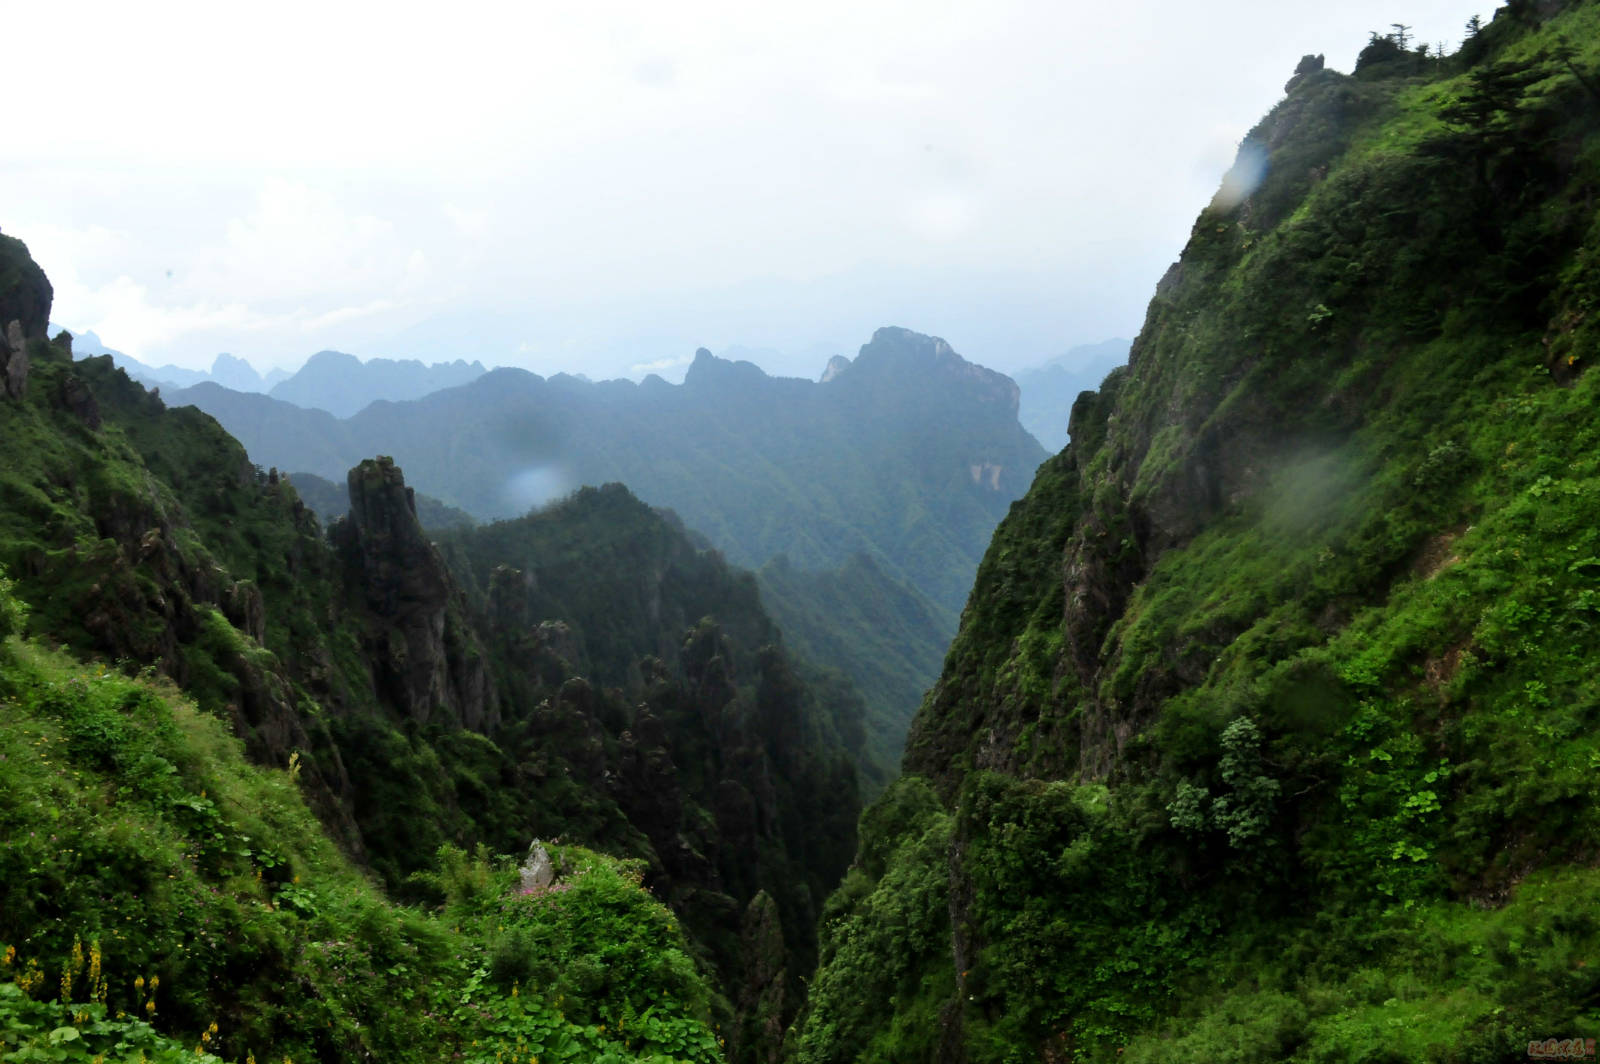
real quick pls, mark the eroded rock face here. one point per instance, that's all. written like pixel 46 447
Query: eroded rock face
pixel 74 396
pixel 761 1007
pixel 14 361
pixel 426 660
pixel 25 292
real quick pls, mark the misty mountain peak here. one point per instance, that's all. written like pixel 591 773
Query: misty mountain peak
pixel 836 365
pixel 930 362
pixel 342 384
pixel 230 371
pixel 708 369
pixel 331 360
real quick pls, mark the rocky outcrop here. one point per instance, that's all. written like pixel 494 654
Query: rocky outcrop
pixel 758 1037
pixel 536 873
pixel 929 364
pixel 74 396
pixel 427 663
pixel 25 292
pixel 13 361
pixel 1309 64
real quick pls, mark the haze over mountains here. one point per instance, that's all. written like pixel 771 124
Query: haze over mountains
pixel 329 380
pixel 863 500
pixel 1049 389
pixel 910 455
pixel 895 467
pixel 344 384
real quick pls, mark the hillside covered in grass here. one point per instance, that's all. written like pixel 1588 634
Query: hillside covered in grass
pixel 163 899
pixel 1272 729
pixel 642 704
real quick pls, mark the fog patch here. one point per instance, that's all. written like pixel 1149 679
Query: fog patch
pixel 1311 494
pixel 536 486
pixel 1243 177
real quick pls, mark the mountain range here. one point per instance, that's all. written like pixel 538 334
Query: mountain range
pixel 897 465
pixel 1269 732
pixel 910 455
pixel 329 380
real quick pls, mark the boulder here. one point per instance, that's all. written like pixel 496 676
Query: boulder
pixel 537 872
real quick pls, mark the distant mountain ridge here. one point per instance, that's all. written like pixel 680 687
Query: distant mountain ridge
pixel 1050 389
pixel 339 383
pixel 909 453
pixel 343 384
pixel 890 475
pixel 226 370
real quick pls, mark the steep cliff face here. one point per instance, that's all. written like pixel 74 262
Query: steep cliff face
pixel 1276 356
pixel 108 552
pixel 1256 671
pixel 428 663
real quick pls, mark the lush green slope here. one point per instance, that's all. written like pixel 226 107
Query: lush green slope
pixel 1271 732
pixel 162 899
pixel 420 716
pixel 732 760
pixel 888 639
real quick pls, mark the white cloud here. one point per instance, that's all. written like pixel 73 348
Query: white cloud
pixel 940 215
pixel 660 365
pixel 472 223
pixel 338 316
pixel 637 176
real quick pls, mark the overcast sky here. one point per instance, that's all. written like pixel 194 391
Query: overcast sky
pixel 602 187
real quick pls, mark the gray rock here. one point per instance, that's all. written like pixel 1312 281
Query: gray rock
pixel 537 871
pixel 14 361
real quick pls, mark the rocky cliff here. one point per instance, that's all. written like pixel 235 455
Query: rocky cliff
pixel 428 663
pixel 1233 748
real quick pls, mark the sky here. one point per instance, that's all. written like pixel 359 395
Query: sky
pixel 603 187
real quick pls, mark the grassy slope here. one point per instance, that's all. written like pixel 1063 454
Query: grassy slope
pixel 150 538
pixel 1347 493
pixel 151 873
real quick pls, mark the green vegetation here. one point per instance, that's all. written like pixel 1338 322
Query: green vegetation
pixel 896 470
pixel 635 699
pixel 884 974
pixel 669 688
pixel 1271 730
pixel 160 895
pixel 879 632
